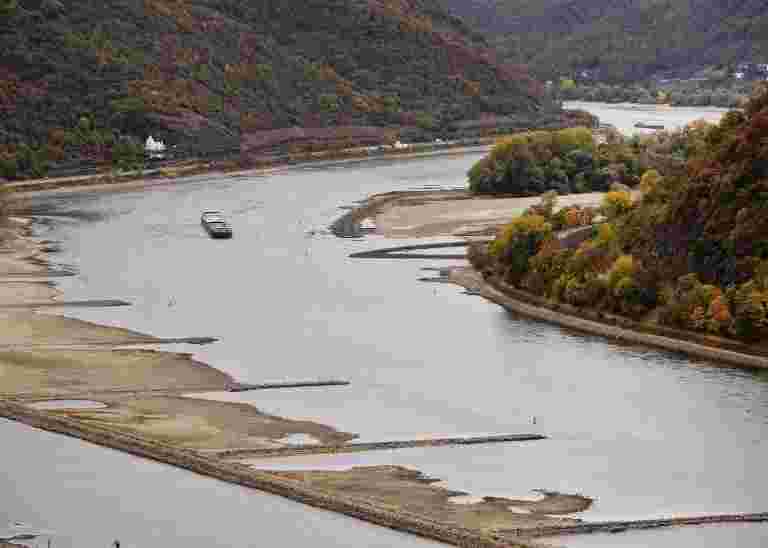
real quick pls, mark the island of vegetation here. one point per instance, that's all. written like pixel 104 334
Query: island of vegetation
pixel 687 250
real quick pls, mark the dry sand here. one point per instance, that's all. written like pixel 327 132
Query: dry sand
pixel 402 489
pixel 65 373
pixel 27 328
pixel 201 424
pixel 456 213
pixel 19 255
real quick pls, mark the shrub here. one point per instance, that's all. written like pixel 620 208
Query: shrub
pixel 9 167
pixel 616 203
pixel 128 154
pixel 8 8
pixel 328 102
pixel 649 182
pixel 425 121
pixel 571 139
pixel 518 242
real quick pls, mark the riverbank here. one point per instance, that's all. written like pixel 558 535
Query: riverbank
pixel 456 213
pixel 611 326
pixel 170 174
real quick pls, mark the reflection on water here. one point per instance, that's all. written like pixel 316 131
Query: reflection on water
pixel 644 432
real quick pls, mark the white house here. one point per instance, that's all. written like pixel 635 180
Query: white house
pixel 153 146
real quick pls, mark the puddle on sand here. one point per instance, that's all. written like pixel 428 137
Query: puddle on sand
pixel 299 439
pixel 67 404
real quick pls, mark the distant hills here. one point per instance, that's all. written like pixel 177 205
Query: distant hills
pixel 77 77
pixel 621 40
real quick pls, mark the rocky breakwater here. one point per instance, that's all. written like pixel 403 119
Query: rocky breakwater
pixel 264 481
pixel 376 446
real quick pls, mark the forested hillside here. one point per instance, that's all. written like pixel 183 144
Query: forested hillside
pixel 691 253
pixel 89 79
pixel 623 40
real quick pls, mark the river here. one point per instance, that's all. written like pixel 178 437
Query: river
pixel 646 433
pixel 625 115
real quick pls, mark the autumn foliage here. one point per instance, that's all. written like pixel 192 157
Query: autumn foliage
pixel 694 248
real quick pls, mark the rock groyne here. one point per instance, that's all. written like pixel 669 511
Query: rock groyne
pixel 621 526
pixel 309 449
pixel 263 481
pixel 245 387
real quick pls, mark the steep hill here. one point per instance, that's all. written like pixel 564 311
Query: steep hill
pixel 211 74
pixel 691 253
pixel 623 40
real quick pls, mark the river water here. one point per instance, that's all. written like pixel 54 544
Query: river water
pixel 646 433
pixel 625 115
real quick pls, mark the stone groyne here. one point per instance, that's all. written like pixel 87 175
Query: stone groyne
pixel 263 481
pixel 245 387
pixel 407 252
pixel 92 303
pixel 366 510
pixel 309 449
pixel 621 526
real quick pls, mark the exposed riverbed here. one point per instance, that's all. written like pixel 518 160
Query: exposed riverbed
pixel 643 432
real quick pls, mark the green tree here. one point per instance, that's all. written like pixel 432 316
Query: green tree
pixel 328 102
pixel 391 104
pixel 425 121
pixel 8 8
pixel 262 71
pixel 312 71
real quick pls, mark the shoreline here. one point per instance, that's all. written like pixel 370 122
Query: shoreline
pixel 262 481
pixel 382 208
pixel 587 321
pixel 162 176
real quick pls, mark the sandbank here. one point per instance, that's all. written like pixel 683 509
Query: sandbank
pixel 447 213
pixel 200 424
pixel 407 490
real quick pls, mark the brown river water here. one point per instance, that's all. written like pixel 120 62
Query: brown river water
pixel 646 433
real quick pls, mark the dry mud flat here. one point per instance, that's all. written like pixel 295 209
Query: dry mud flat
pixel 403 489
pixel 201 424
pixel 454 213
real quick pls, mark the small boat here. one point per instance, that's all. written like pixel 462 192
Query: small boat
pixel 215 224
pixel 650 124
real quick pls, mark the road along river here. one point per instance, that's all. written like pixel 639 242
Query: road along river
pixel 645 433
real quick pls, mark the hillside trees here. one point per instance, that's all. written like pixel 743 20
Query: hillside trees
pixel 190 71
pixel 618 41
pixel 567 161
pixel 693 249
